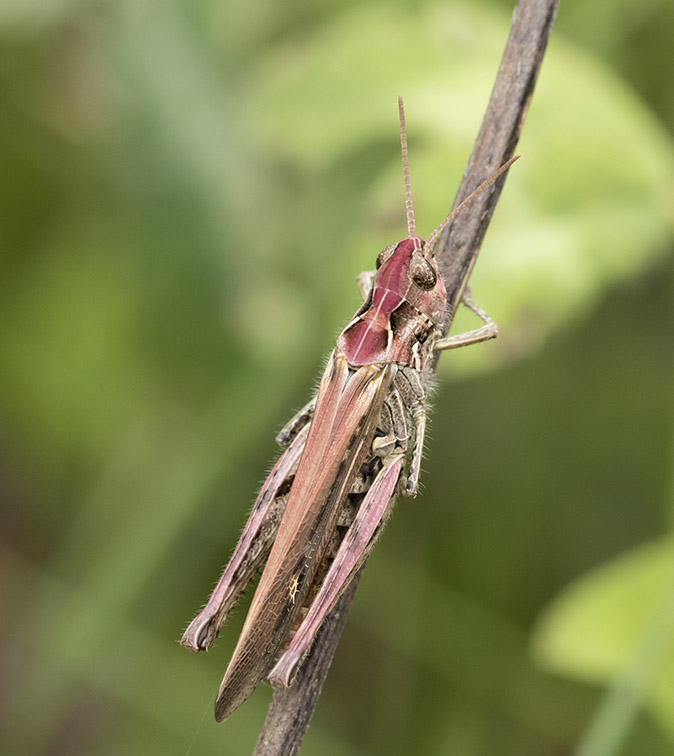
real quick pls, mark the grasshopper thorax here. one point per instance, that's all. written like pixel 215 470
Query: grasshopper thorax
pixel 407 302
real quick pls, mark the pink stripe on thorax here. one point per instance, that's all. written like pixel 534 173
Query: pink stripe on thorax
pixel 386 300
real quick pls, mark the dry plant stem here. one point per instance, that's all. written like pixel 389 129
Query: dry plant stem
pixel 499 133
pixel 291 709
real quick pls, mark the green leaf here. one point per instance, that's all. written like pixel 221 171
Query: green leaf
pixel 615 627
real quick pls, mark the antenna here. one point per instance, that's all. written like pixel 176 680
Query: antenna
pixel 411 225
pixel 484 185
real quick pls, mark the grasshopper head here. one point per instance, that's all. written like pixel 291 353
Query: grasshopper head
pixel 406 274
pixel 408 300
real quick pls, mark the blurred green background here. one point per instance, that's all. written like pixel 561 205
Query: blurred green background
pixel 188 191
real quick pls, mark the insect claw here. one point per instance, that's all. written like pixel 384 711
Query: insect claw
pixel 411 489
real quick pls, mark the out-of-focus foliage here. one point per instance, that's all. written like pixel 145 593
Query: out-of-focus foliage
pixel 616 162
pixel 188 192
pixel 616 624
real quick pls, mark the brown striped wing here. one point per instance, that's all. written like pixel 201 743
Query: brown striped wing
pixel 340 437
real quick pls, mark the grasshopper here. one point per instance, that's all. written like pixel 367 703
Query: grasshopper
pixel 348 454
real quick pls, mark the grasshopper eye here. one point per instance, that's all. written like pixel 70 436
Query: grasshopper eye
pixel 384 255
pixel 422 272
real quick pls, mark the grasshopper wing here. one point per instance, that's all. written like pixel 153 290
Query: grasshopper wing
pixel 340 437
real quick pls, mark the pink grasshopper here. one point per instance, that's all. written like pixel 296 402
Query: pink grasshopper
pixel 360 441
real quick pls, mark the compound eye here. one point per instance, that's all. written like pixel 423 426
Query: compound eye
pixel 422 272
pixel 384 255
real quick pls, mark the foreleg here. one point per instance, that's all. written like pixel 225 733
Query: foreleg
pixel 486 332
pixel 365 281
